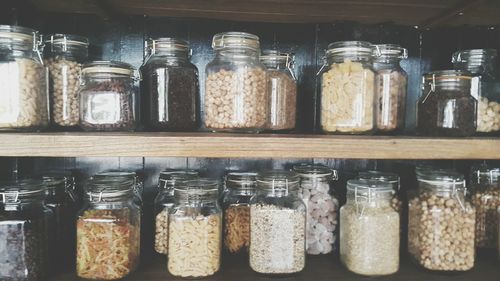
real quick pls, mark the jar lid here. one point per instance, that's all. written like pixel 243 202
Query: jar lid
pixel 12 191
pixel 198 187
pixel 441 178
pixel 169 177
pixel 364 187
pixel 65 40
pixel 314 171
pixel 474 57
pixel 235 40
pixel 167 44
pixel 448 75
pixel 17 33
pixel 241 180
pixel 277 179
pixel 275 56
pixel 389 51
pixel 350 48
pixel 485 174
pixel 108 67
pixel 379 176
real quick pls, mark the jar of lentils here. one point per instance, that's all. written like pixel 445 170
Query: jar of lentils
pixel 23 101
pixel 236 95
pixel 107 97
pixel 64 55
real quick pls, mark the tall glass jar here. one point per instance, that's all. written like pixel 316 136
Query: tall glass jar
pixel 236 205
pixel 195 230
pixel 391 83
pixel 277 224
pixel 23 100
pixel 108 230
pixel 23 231
pixel 446 107
pixel 348 88
pixel 369 236
pixel 236 96
pixel 170 98
pixel 282 89
pixel 322 207
pixel 485 86
pixel 164 201
pixel 64 55
pixel 107 97
pixel 390 178
pixel 441 223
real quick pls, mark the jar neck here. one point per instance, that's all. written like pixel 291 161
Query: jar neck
pixel 192 200
pixel 79 53
pixel 373 199
pixel 388 61
pixel 365 59
pixel 268 190
pixel 241 192
pixel 237 53
pixel 487 67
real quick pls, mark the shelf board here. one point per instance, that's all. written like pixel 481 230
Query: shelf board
pixel 219 145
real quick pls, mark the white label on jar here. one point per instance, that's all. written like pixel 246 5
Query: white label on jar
pixel 103 108
pixel 9 92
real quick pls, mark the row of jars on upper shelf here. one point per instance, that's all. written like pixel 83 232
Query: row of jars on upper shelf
pixel 363 88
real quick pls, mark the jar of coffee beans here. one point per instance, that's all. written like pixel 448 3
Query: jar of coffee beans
pixel 64 55
pixel 107 97
pixel 236 95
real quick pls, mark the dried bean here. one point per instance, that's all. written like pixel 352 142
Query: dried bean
pixel 391 93
pixel 161 236
pixel 486 201
pixel 488 115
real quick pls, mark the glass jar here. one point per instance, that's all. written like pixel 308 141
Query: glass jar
pixel 195 230
pixel 164 201
pixel 322 207
pixel 485 86
pixel 236 97
pixel 236 205
pixel 348 88
pixel 485 185
pixel 64 55
pixel 441 223
pixel 170 100
pixel 446 107
pixel 118 175
pixel 107 97
pixel 391 83
pixel 108 230
pixel 369 236
pixel 23 231
pixel 23 100
pixel 277 224
pixel 390 178
pixel 282 88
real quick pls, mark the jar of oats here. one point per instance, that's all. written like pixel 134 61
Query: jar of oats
pixel 236 96
pixel 277 224
pixel 236 205
pixel 348 88
pixel 195 229
pixel 23 78
pixel 369 236
pixel 441 223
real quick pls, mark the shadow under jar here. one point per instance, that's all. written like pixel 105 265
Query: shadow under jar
pixel 170 90
pixel 107 97
pixel 446 107
pixel 236 95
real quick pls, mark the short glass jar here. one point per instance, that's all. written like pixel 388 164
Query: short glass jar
pixel 236 205
pixel 369 236
pixel 108 230
pixel 441 223
pixel 107 97
pixel 348 88
pixel 322 207
pixel 164 201
pixel 236 96
pixel 64 55
pixel 391 83
pixel 195 230
pixel 170 87
pixel 282 88
pixel 277 224
pixel 446 107
pixel 23 101
pixel 390 178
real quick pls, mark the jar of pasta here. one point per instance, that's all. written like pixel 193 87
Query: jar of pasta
pixel 195 229
pixel 108 230
pixel 348 88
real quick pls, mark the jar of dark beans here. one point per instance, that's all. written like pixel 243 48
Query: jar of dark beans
pixel 446 107
pixel 23 231
pixel 107 97
pixel 169 87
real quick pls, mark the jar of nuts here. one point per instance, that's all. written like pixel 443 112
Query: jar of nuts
pixel 236 95
pixel 277 224
pixel 369 233
pixel 348 88
pixel 482 64
pixel 282 89
pixel 391 82
pixel 107 97
pixel 390 178
pixel 24 96
pixel 441 223
pixel 322 207
pixel 195 229
pixel 64 55
pixel 236 206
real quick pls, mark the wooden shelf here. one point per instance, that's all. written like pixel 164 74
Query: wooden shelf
pixel 245 146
